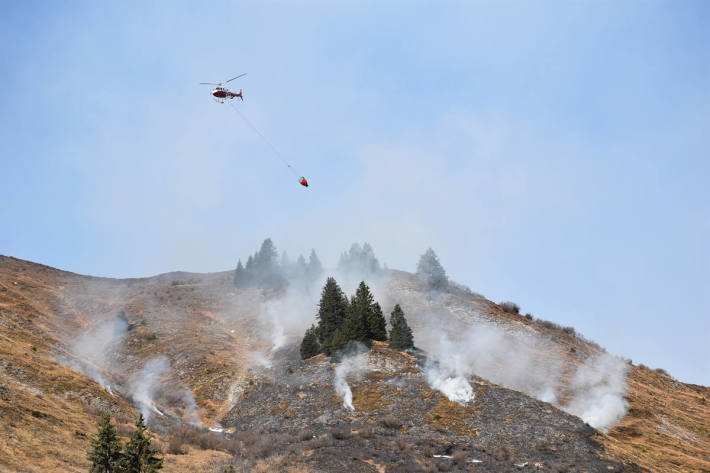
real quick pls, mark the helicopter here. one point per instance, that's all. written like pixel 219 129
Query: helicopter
pixel 221 94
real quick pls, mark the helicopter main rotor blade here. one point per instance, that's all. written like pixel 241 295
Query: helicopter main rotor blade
pixel 208 83
pixel 240 75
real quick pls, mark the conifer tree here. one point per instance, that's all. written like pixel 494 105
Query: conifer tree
pixel 400 335
pixel 105 453
pixel 309 345
pixel 430 272
pixel 140 456
pixel 240 275
pixel 315 268
pixel 332 311
pixel 361 305
pixel 376 323
pixel 355 324
pixel 339 340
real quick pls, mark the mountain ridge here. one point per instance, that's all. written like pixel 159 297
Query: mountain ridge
pixel 210 335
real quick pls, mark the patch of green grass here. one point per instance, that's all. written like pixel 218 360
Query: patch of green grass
pixel 39 414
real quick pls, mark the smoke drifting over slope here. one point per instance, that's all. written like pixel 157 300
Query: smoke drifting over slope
pixel 94 347
pixel 599 387
pixel 529 364
pixel 148 386
pixel 144 384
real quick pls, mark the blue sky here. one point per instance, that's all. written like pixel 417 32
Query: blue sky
pixel 552 153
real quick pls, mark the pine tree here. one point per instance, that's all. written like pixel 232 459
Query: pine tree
pixel 376 323
pixel 267 273
pixel 105 452
pixel 315 268
pixel 363 305
pixel 332 311
pixel 338 341
pixel 266 257
pixel 430 272
pixel 140 457
pixel 359 261
pixel 400 335
pixel 355 324
pixel 240 275
pixel 309 345
pixel 369 261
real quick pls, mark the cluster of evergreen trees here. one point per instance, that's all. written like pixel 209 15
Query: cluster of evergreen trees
pixel 341 321
pixel 137 456
pixel 264 270
pixel 359 261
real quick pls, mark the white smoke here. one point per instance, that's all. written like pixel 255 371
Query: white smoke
pixel 259 359
pixel 192 412
pixel 287 318
pixel 144 384
pixel 354 364
pixel 527 363
pixel 599 387
pixel 94 346
pixel 522 362
pixel 455 387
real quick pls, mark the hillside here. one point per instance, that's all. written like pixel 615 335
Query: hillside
pixel 191 349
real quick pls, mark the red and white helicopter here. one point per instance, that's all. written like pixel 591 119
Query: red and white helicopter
pixel 221 94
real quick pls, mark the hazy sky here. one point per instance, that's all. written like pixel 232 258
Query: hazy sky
pixel 552 153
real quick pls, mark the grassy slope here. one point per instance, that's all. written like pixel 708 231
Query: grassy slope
pixel 666 429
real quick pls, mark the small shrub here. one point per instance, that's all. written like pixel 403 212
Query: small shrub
pixel 529 316
pixel 366 433
pixel 510 307
pixel 305 434
pixel 573 350
pixel 175 446
pixel 662 371
pixel 569 331
pixel 391 422
pixel 265 447
pixel 39 414
pixel 340 433
pixel 151 336
pixel 503 454
pixel 459 457
pixel 428 451
pixel 402 445
pixel 319 442
pixel 443 464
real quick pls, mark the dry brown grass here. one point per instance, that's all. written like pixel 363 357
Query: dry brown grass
pixel 449 416
pixel 667 427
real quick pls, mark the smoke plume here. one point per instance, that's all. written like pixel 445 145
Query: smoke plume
pixel 454 386
pixel 149 386
pixel 599 387
pixel 94 346
pixel 527 363
pixel 353 363
pixel 144 384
